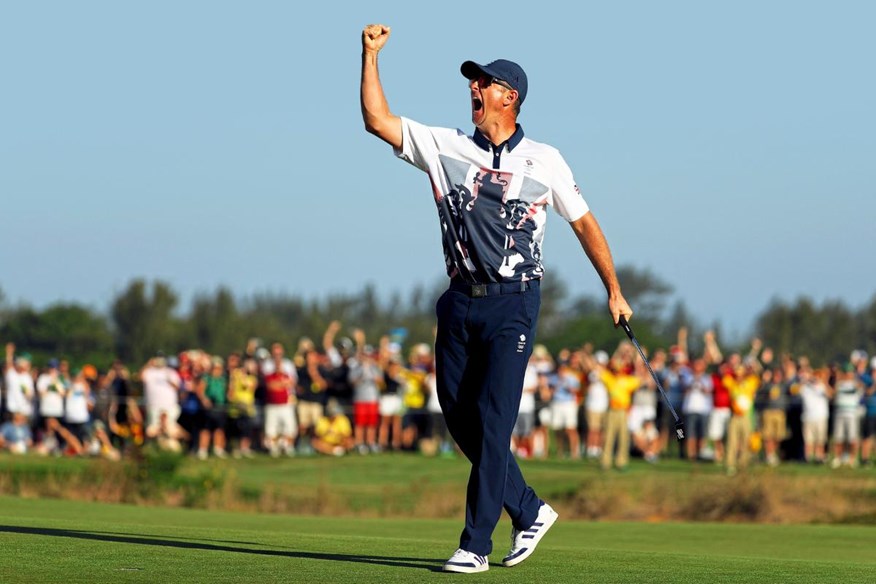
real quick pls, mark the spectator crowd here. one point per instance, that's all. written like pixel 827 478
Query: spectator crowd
pixel 349 396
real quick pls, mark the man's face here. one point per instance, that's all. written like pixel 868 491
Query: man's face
pixel 487 96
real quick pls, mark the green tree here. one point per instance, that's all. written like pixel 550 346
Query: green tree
pixel 216 324
pixel 646 292
pixel 553 313
pixel 598 330
pixel 867 332
pixel 67 331
pixel 144 321
pixel 823 333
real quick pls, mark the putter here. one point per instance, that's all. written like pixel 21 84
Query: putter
pixel 679 425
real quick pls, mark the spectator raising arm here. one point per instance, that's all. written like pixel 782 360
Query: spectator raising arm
pixel 712 353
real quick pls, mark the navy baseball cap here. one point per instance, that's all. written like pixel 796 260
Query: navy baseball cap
pixel 508 71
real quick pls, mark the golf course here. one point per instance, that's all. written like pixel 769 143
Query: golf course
pixel 395 518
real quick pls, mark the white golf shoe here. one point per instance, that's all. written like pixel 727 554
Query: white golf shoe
pixel 465 562
pixel 523 542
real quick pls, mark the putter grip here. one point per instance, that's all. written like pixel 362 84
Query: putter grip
pixel 622 320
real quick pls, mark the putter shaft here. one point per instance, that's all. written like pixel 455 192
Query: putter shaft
pixel 679 425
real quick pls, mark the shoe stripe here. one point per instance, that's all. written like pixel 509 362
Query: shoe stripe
pixel 528 536
pixel 515 554
pixel 462 564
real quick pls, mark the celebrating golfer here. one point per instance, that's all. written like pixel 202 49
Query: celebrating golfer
pixel 491 190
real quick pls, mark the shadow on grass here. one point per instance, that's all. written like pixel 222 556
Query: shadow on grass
pixel 433 565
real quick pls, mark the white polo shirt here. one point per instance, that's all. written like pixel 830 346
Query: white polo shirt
pixel 491 200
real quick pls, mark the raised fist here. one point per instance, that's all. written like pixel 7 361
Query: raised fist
pixel 374 36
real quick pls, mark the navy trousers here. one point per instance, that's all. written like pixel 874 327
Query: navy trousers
pixel 481 352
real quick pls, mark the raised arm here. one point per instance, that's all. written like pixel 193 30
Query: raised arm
pixel 681 341
pixel 596 247
pixel 712 353
pixel 375 110
pixel 328 338
pixel 10 356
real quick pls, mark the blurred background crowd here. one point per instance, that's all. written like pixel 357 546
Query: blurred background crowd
pixel 345 395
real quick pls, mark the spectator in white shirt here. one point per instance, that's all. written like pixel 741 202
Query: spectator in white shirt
pixel 161 392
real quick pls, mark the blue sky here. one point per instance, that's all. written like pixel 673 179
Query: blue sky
pixel 729 148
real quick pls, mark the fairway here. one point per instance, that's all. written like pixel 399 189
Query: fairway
pixel 65 541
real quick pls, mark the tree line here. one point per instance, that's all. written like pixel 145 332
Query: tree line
pixel 147 316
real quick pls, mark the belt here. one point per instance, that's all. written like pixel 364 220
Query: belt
pixel 492 289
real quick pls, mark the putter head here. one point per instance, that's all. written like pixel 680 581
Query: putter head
pixel 679 430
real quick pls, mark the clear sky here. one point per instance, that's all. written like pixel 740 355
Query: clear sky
pixel 728 147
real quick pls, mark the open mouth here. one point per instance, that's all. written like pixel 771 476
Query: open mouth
pixel 476 104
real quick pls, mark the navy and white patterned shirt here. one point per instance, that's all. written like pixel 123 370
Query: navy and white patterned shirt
pixel 491 199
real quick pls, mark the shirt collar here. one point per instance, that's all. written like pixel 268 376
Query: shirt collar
pixel 484 143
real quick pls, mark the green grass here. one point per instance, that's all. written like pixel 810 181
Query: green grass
pixel 68 541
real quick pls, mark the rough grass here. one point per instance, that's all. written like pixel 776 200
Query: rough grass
pixel 395 485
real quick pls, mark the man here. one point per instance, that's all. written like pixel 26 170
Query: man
pixel 620 386
pixel 815 396
pixel 868 426
pixel 15 435
pixel 51 390
pixel 333 433
pixel 697 407
pixel 277 358
pixel 19 383
pixel 642 416
pixel 366 375
pixel 742 385
pixel 773 394
pixel 160 388
pixel 280 400
pixel 312 384
pixel 596 403
pixel 846 426
pixel 491 190
pixel 212 391
pixel 564 410
pixel 124 418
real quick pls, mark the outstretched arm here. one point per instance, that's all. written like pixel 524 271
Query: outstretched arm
pixel 596 247
pixel 375 110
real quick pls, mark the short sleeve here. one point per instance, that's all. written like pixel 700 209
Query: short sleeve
pixel 419 144
pixel 567 198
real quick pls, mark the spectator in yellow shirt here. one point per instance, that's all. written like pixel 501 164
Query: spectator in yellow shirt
pixel 620 386
pixel 742 385
pixel 333 433
pixel 242 385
